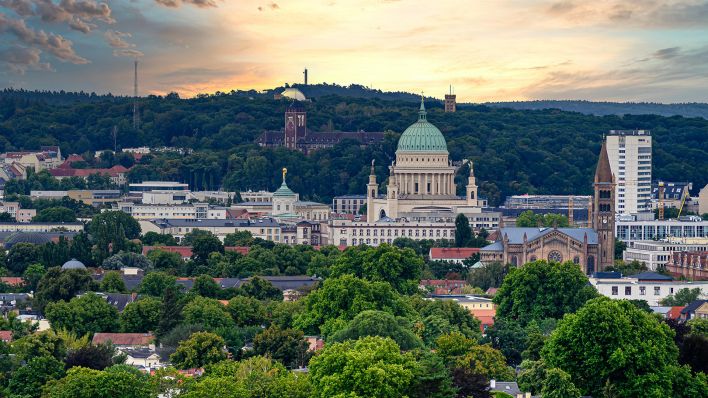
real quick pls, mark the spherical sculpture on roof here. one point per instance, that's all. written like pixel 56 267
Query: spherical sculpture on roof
pixel 73 264
pixel 422 136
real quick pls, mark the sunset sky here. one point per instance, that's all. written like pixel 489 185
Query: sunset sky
pixel 496 50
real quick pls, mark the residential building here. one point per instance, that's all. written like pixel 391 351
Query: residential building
pixel 50 195
pixel 692 265
pixel 674 193
pixel 348 204
pixel 19 214
pixel 295 134
pixel 47 157
pixel 563 202
pixel 165 197
pixel 258 196
pixel 630 154
pixel 136 190
pixel 648 286
pixel 266 228
pixel 658 253
pixel 482 308
pixel 41 226
pixel 452 254
pixel 631 229
pixel 443 286
pixel 171 211
pixel 518 246
pixel 117 174
pixel 353 233
pixel 703 200
pixel 141 358
pixel 223 197
pixel 95 197
pixel 695 309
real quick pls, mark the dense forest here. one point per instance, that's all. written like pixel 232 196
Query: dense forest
pixel 611 108
pixel 515 151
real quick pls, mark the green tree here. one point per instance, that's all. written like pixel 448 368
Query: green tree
pixel 110 232
pixel 141 316
pixel 339 300
pixel 488 275
pixel 620 247
pixel 32 275
pixel 246 311
pixel 127 259
pixel 112 282
pixel 379 323
pixel 91 356
pixel 164 260
pixel 368 367
pixel 205 286
pixel 118 381
pixel 200 349
pixel 41 344
pixel 171 311
pixel 486 361
pixel 155 283
pixel 27 380
pixel 452 345
pixel 55 214
pixel 682 297
pixel 86 314
pixel 612 341
pixel 531 376
pixel 238 238
pixel 559 385
pixel 470 384
pixel 261 289
pixel 431 378
pixel 203 245
pixel 508 337
pixel 58 285
pixel 401 268
pixel 530 219
pixel 20 256
pixel 285 345
pixel 699 326
pixel 207 312
pixel 155 239
pixel 541 290
pixel 463 231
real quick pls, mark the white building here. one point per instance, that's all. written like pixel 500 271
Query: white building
pixel 41 226
pixel 172 211
pixel 631 230
pixel 257 196
pixel 148 186
pixel 267 229
pixel 353 233
pixel 655 253
pixel 630 153
pixel 648 286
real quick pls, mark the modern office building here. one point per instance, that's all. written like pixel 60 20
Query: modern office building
pixel 656 253
pixel 631 230
pixel 630 153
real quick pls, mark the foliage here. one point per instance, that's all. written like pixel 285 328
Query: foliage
pixel 27 380
pixel 41 344
pixel 444 316
pixel 379 323
pixel 486 361
pixel 151 238
pixel 339 300
pixel 469 383
pixel 91 356
pixel 141 316
pixel 118 381
pixel 207 312
pixel 530 219
pixel 541 290
pixel 386 263
pixel 532 376
pixel 558 385
pixel 164 260
pixel 126 260
pixel 32 275
pixel 463 231
pixel 627 269
pixel 200 349
pixel 368 367
pixel 452 345
pixel 611 341
pixel 205 286
pixel 238 238
pixel 682 297
pixel 58 285
pixel 509 337
pixel 110 231
pixel 155 283
pixel 246 311
pixel 20 256
pixel 112 282
pixel 699 326
pixel 620 247
pixel 171 311
pixel 431 379
pixel 86 314
pixel 261 289
pixel 488 275
pixel 55 214
pixel 203 244
pixel 285 345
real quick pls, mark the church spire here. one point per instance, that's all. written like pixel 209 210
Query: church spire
pixel 603 172
pixel 422 113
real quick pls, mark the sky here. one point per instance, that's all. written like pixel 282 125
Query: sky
pixel 488 50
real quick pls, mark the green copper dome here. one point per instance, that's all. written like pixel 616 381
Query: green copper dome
pixel 422 136
pixel 284 190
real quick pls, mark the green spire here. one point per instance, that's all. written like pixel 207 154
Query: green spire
pixel 422 113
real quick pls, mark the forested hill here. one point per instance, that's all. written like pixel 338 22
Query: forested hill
pixel 611 108
pixel 515 151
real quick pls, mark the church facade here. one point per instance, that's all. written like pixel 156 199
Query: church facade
pixel 591 248
pixel 296 136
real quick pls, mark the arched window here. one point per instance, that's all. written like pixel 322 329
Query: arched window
pixel 576 260
pixel 472 195
pixel 514 261
pixel 382 213
pixel 591 265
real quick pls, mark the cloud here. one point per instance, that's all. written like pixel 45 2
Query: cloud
pixel 20 59
pixel 178 3
pixel 78 14
pixel 618 13
pixel 117 40
pixel 271 6
pixel 667 53
pixel 54 44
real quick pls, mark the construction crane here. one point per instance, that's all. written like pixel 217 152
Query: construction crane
pixel 684 195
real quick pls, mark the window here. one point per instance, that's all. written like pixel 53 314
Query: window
pixel 628 290
pixel 615 290
pixel 642 290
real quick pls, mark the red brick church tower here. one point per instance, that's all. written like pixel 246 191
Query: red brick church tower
pixel 295 125
pixel 603 217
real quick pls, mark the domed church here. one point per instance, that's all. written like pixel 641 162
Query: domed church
pixel 421 183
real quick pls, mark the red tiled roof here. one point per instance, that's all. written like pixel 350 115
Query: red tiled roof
pixel 452 252
pixel 492 291
pixel 6 335
pixel 132 339
pixel 675 312
pixel 12 280
pixel 69 172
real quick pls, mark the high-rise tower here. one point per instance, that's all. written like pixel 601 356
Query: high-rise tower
pixel 603 218
pixel 450 102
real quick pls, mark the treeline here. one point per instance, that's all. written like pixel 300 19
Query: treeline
pixel 515 151
pixel 690 109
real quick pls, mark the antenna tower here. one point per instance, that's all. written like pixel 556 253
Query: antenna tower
pixel 305 73
pixel 136 117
